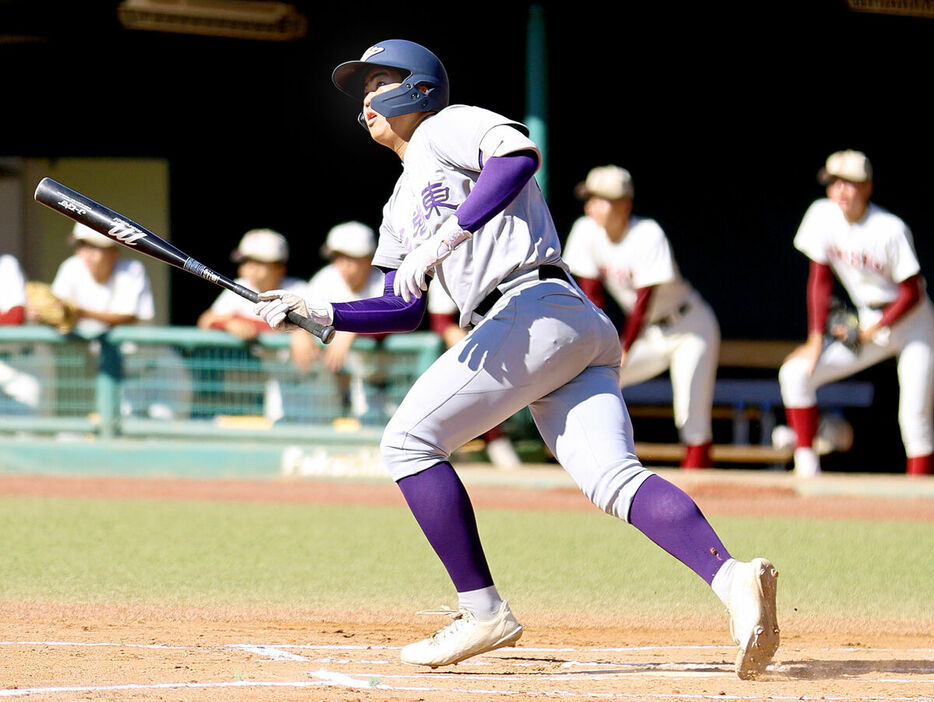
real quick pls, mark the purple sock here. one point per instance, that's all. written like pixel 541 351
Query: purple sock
pixel 670 518
pixel 442 509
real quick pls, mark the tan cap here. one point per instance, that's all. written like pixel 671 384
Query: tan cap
pixel 353 239
pixel 608 182
pixel 848 165
pixel 85 234
pixel 263 245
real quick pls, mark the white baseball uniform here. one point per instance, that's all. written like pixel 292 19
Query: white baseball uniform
pixel 870 258
pixel 542 344
pixel 12 284
pixel 127 291
pixel 20 387
pixel 328 284
pixel 680 333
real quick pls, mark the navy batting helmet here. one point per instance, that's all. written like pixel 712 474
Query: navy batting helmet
pixel 418 67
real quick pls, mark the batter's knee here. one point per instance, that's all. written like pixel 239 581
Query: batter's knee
pixel 614 492
pixel 405 453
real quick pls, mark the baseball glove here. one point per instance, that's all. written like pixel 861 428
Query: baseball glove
pixel 45 308
pixel 843 325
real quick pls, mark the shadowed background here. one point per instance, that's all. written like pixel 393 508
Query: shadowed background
pixel 723 112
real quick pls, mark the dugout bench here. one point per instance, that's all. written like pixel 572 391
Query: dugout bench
pixel 743 401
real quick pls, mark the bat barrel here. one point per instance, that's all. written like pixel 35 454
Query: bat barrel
pixel 72 204
pixel 125 231
pixel 105 221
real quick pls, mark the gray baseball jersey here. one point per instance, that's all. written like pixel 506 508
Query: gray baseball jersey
pixel 442 163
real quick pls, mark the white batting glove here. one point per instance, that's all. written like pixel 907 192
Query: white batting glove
pixel 411 278
pixel 274 306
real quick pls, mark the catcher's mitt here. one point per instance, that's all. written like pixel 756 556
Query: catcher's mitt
pixel 843 325
pixel 45 308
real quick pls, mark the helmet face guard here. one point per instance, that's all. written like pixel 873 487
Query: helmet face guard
pixel 418 66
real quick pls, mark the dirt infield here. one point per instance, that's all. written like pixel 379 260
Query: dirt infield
pixel 54 651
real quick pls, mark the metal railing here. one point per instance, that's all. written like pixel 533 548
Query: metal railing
pixel 183 381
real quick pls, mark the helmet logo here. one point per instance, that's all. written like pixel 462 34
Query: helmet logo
pixel 371 52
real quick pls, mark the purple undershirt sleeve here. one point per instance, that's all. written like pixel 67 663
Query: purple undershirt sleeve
pixel 500 180
pixel 379 315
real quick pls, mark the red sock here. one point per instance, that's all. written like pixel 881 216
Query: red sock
pixel 493 434
pixel 804 421
pixel 919 465
pixel 698 456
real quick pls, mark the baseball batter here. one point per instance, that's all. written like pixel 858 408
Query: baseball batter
pixel 871 252
pixel 467 211
pixel 668 324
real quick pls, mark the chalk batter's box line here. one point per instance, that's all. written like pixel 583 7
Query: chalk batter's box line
pixel 502 652
pixel 375 680
pixel 331 679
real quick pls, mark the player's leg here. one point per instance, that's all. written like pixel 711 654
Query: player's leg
pixel 586 425
pixel 799 393
pixel 649 356
pixel 693 376
pixel 916 390
pixel 530 343
pixel 483 621
pixel 416 445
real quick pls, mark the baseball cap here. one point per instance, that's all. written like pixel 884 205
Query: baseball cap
pixel 848 165
pixel 353 239
pixel 263 245
pixel 80 232
pixel 609 182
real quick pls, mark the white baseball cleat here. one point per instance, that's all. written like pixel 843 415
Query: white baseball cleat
pixel 753 622
pixel 807 462
pixel 466 636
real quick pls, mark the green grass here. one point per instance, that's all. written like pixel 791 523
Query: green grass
pixel 326 556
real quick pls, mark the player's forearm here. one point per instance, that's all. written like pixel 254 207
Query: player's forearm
pixel 389 313
pixel 440 323
pixel 501 179
pixel 909 293
pixel 111 318
pixel 593 289
pixel 635 320
pixel 820 286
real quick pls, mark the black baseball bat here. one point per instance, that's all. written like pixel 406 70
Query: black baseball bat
pixel 128 233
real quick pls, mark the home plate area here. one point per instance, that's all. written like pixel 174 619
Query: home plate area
pixel 270 671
